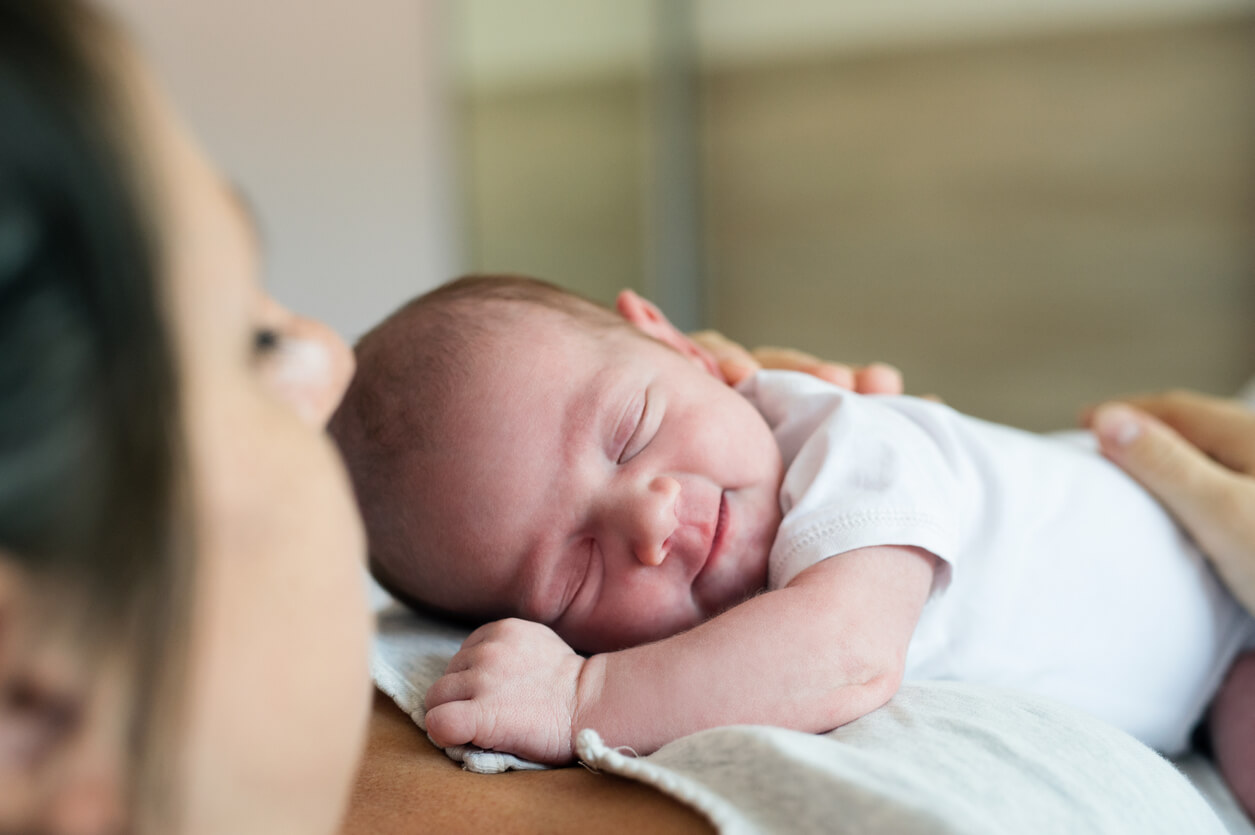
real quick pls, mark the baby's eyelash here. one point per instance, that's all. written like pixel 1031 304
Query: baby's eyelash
pixel 627 453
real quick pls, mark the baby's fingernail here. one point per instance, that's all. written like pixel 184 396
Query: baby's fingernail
pixel 1117 425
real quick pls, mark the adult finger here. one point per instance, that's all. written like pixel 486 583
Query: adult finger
pixel 878 378
pixel 1192 485
pixel 735 363
pixel 1221 427
pixel 791 359
pixel 1215 504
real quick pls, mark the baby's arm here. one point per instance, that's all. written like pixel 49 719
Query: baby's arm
pixel 825 650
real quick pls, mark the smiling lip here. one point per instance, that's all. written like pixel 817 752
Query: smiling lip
pixel 716 540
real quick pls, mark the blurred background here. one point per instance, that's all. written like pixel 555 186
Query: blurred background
pixel 1024 207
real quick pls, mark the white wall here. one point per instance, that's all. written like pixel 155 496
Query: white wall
pixel 330 116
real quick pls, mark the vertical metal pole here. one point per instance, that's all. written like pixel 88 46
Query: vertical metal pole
pixel 673 197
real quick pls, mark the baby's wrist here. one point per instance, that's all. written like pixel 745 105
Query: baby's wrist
pixel 589 687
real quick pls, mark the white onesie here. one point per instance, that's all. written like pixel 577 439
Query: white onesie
pixel 1061 575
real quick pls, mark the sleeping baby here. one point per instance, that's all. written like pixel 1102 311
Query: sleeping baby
pixel 656 553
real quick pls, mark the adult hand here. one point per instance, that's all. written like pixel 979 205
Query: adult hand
pixel 736 364
pixel 1196 454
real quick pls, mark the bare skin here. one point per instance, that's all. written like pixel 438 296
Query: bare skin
pixel 619 519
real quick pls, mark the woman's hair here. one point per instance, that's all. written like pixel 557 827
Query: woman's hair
pixel 91 507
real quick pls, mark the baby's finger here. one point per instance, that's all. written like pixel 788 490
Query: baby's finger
pixel 878 378
pixel 488 654
pixel 459 662
pixel 463 659
pixel 451 687
pixel 453 723
pixel 471 651
pixel 486 632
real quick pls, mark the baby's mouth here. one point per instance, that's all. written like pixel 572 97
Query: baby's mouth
pixel 716 538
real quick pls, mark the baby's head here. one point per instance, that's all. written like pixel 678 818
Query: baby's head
pixel 520 451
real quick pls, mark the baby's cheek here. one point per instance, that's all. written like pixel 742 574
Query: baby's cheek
pixel 663 621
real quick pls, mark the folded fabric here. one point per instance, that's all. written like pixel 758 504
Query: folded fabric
pixel 940 757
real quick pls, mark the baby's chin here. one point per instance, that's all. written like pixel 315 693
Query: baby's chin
pixel 756 551
pixel 739 583
pixel 619 636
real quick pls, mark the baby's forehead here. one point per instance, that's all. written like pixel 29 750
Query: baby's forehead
pixel 516 331
pixel 580 318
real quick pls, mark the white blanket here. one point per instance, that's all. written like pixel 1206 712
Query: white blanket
pixel 940 757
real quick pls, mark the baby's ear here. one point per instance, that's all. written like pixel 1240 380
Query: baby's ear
pixel 646 316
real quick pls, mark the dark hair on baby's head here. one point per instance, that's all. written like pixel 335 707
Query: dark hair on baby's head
pixel 400 407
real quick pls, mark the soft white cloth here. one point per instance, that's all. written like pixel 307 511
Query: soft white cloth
pixel 1062 576
pixel 939 758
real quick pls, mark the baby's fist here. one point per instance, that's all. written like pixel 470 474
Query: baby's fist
pixel 511 687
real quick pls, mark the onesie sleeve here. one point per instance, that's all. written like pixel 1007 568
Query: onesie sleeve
pixel 860 472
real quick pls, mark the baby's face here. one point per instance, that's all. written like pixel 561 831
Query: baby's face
pixel 602 484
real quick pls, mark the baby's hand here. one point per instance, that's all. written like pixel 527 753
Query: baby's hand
pixel 511 687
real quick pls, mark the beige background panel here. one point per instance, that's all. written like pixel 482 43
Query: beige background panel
pixel 553 177
pixel 1021 226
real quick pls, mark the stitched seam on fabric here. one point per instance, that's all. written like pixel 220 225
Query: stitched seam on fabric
pixel 818 532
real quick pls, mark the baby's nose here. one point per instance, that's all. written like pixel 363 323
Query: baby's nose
pixel 656 520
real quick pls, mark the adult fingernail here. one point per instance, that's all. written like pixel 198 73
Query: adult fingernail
pixel 1117 425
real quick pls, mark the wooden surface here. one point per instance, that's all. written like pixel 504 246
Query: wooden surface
pixel 407 786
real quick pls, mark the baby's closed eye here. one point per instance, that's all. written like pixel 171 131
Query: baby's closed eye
pixel 626 443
